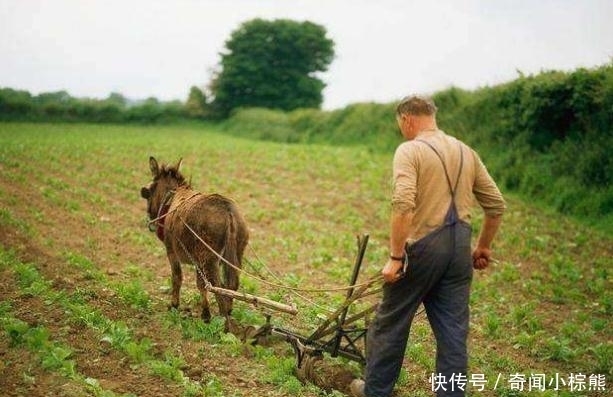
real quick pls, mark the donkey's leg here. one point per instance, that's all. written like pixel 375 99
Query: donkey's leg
pixel 177 279
pixel 223 302
pixel 231 283
pixel 201 282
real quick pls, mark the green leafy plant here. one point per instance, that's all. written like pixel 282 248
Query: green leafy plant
pixel 117 335
pixel 139 351
pixel 559 349
pixel 16 330
pixel 492 325
pixel 604 358
pixel 133 293
pixel 169 368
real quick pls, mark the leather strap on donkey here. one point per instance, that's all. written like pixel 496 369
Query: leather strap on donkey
pixel 161 217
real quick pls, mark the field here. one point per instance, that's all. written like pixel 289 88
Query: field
pixel 84 286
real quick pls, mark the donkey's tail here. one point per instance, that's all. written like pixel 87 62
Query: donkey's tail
pixel 231 254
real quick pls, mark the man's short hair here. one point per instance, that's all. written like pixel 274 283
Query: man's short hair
pixel 416 105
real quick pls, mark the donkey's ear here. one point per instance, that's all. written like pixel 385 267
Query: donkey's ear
pixel 153 166
pixel 179 164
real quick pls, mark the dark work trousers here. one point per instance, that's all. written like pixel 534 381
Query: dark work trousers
pixel 438 274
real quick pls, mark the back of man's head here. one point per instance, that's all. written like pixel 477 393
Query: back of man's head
pixel 416 105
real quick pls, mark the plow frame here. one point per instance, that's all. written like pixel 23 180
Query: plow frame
pixel 337 335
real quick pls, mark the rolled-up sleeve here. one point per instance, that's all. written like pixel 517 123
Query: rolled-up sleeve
pixel 486 191
pixel 404 179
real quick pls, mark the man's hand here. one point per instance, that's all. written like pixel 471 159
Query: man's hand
pixel 482 255
pixel 400 224
pixel 392 271
pixel 481 258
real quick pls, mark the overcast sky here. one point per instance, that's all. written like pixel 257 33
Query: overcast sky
pixel 385 49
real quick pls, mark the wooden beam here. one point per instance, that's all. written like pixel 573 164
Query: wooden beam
pixel 254 300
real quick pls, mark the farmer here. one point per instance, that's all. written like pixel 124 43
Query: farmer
pixel 435 179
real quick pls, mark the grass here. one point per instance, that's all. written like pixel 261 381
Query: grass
pixel 544 307
pixel 118 336
pixel 53 356
pixel 50 354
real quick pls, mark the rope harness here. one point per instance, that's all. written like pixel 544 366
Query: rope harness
pixel 277 285
pixel 157 225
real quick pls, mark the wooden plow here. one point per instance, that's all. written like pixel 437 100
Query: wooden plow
pixel 341 334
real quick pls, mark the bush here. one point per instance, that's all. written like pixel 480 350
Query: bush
pixel 260 123
pixel 547 137
pixel 60 106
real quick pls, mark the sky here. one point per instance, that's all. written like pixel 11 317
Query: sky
pixel 385 49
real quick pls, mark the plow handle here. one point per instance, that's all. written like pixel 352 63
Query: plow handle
pixel 362 242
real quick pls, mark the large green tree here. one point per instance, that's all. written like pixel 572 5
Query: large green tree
pixel 272 64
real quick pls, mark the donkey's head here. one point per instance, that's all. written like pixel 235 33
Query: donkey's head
pixel 165 179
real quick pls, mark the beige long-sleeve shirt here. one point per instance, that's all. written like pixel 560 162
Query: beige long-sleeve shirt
pixel 420 185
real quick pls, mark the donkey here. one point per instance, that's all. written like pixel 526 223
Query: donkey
pixel 183 217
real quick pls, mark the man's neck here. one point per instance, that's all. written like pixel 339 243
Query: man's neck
pixel 424 123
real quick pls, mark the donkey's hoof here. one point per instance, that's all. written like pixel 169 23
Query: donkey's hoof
pixel 173 306
pixel 233 327
pixel 206 315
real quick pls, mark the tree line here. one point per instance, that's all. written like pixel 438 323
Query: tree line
pixel 19 105
pixel 272 64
